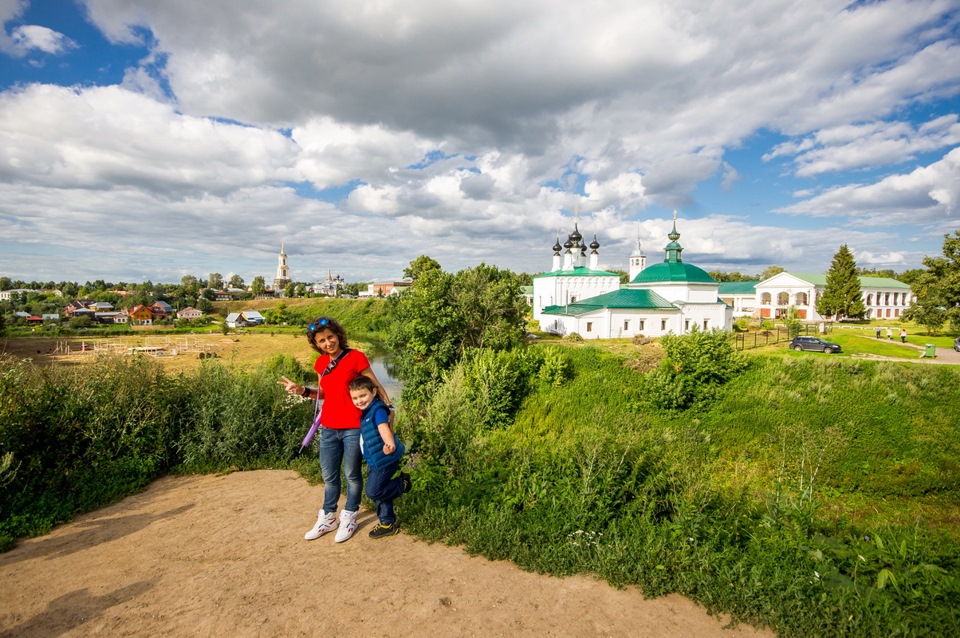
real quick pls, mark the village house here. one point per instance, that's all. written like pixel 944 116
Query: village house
pixel 111 317
pixel 161 310
pixel 385 289
pixel 79 305
pixel 243 319
pixel 101 306
pixel 6 295
pixel 189 313
pixel 140 315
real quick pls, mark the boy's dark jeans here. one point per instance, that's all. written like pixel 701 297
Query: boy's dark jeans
pixel 382 489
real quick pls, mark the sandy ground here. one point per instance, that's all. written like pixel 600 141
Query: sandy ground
pixel 225 556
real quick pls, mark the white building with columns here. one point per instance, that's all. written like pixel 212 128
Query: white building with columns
pixel 883 297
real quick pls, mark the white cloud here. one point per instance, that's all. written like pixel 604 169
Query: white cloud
pixel 854 146
pixel 333 153
pixel 475 130
pixel 925 195
pixel 31 37
pixel 107 137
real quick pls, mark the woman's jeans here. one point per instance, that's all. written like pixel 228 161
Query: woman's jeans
pixel 336 447
pixel 382 489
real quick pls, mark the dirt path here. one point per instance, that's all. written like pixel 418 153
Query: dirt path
pixel 224 556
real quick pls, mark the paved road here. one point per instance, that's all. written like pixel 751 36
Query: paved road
pixel 944 355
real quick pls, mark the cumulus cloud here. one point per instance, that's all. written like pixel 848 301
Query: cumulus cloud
pixel 927 194
pixel 474 131
pixel 109 138
pixel 854 146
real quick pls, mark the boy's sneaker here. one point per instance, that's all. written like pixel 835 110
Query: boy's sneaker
pixel 348 525
pixel 382 530
pixel 325 523
pixel 407 483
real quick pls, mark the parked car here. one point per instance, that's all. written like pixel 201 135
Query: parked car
pixel 815 344
pixel 956 344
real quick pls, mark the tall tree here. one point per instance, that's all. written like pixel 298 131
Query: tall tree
pixel 937 289
pixel 842 297
pixel 441 316
pixel 257 286
pixel 189 286
pixel 770 271
pixel 215 280
pixel 419 266
pixel 236 281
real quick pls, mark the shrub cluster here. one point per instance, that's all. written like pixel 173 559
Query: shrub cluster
pixel 725 502
pixel 73 439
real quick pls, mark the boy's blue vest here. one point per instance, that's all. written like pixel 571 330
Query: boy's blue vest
pixel 376 413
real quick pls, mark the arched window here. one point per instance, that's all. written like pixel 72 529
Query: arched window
pixel 870 299
pixel 802 299
pixel 765 299
pixel 783 299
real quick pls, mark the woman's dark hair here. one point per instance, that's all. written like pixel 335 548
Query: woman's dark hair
pixel 325 323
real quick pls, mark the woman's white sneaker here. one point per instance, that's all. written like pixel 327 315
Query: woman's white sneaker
pixel 348 525
pixel 325 523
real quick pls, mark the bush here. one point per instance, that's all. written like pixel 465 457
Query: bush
pixel 696 367
pixel 74 439
pixel 725 502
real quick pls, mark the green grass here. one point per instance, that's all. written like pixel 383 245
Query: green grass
pixel 815 494
pixel 818 495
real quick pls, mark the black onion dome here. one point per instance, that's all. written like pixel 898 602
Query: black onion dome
pixel 557 246
pixel 568 244
pixel 575 236
pixel 594 244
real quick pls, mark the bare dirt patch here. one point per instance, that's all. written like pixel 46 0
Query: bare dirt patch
pixel 225 556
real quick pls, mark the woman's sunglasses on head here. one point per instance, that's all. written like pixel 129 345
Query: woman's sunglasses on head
pixel 318 325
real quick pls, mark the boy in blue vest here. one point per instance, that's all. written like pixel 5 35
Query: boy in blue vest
pixel 383 451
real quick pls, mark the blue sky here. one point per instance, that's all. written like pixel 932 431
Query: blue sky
pixel 151 140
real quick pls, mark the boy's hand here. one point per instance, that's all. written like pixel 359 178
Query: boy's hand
pixel 389 448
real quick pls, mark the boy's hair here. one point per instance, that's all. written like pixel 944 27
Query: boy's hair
pixel 362 383
pixel 326 323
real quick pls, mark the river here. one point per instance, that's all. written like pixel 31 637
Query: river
pixel 381 366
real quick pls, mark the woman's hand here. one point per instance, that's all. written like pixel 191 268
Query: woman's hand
pixel 389 448
pixel 291 387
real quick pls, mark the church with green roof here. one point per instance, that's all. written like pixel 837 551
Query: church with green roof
pixel 663 298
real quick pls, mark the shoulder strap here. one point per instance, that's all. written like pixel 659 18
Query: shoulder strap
pixel 334 362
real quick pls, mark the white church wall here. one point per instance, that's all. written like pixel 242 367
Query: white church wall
pixel 559 291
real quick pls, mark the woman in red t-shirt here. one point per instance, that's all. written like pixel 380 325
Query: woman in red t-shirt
pixel 336 367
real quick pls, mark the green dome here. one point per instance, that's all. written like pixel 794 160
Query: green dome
pixel 673 268
pixel 673 271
